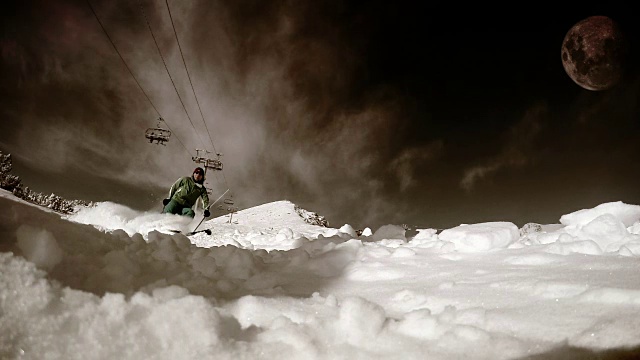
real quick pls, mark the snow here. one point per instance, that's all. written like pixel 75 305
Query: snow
pixel 110 282
pixel 481 237
pixel 626 213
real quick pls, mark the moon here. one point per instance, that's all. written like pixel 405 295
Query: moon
pixel 593 53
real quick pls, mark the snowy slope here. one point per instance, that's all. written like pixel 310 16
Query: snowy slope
pixel 269 226
pixel 274 225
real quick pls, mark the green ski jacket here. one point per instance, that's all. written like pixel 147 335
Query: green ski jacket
pixel 186 192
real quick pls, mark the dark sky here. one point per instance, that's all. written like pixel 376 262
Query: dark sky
pixel 366 112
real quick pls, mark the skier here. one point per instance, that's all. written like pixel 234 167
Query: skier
pixel 185 192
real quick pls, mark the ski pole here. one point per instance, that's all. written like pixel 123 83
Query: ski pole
pixel 207 208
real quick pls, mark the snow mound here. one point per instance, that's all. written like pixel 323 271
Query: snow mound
pixel 275 214
pixel 272 226
pixel 626 213
pixel 482 236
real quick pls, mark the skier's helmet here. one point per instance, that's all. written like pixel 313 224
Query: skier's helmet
pixel 200 171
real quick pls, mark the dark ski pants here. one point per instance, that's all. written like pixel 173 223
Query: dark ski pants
pixel 173 207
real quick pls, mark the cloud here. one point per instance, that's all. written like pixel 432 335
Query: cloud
pixel 479 172
pixel 280 86
pixel 405 165
pixel 516 152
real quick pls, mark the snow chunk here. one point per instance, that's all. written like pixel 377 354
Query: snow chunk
pixel 39 246
pixel 626 213
pixel 482 236
pixel 425 234
pixel 348 229
pixel 389 232
pixel 359 319
pixel 607 231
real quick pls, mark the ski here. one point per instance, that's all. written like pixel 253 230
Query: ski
pixel 206 231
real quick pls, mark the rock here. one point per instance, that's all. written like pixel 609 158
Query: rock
pixel 311 217
pixel 530 228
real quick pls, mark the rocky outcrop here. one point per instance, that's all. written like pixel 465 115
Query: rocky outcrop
pixel 311 217
pixel 7 181
pixel 14 184
pixel 530 228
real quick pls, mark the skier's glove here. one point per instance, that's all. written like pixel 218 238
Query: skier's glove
pixel 207 213
pixel 165 202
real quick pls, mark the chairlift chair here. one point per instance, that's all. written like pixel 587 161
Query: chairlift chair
pixel 158 134
pixel 211 164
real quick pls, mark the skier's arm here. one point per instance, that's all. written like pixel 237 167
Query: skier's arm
pixel 205 198
pixel 175 187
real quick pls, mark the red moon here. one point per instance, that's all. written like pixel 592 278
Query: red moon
pixel 593 53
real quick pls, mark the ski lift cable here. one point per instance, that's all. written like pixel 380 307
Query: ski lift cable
pixel 130 71
pixel 189 76
pixel 167 68
pixel 192 87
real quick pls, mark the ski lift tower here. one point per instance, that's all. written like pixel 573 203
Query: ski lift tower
pixel 208 163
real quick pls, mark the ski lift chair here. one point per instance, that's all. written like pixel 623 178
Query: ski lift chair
pixel 160 136
pixel 213 164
